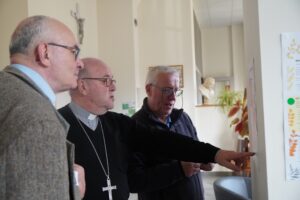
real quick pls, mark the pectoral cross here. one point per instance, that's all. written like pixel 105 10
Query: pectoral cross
pixel 109 188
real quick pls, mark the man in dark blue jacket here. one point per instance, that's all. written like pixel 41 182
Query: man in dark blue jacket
pixel 158 178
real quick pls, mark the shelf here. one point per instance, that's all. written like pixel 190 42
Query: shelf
pixel 208 105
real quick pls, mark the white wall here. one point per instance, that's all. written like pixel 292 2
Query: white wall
pixel 11 13
pixel 223 53
pixel 116 46
pixel 217 51
pixel 238 57
pixel 264 21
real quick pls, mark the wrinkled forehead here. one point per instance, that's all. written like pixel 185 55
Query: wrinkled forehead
pixel 105 72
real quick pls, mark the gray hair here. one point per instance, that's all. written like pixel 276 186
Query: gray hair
pixel 27 34
pixel 155 71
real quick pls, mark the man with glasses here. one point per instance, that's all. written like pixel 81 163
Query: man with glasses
pixel 35 158
pixel 105 140
pixel 157 177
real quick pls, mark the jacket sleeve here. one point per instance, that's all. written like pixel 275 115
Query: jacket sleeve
pixel 170 145
pixel 145 178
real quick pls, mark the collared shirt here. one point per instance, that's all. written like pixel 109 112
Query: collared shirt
pixel 89 119
pixel 168 121
pixel 38 80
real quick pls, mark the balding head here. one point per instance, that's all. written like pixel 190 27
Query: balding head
pixel 34 30
pixel 90 66
pixel 96 87
pixel 28 34
pixel 49 47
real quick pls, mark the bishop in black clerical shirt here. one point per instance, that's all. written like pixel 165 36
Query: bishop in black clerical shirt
pixel 122 135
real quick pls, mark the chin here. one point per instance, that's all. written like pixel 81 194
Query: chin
pixel 168 111
pixel 110 106
pixel 74 84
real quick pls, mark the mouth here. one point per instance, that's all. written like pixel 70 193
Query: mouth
pixel 169 105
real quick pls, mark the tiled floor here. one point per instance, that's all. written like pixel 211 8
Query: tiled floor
pixel 208 180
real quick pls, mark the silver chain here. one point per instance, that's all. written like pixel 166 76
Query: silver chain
pixel 92 144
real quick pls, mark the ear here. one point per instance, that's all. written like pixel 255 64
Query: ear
pixel 41 54
pixel 82 86
pixel 148 89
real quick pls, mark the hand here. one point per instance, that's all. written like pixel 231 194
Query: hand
pixel 224 158
pixel 81 179
pixel 190 168
pixel 207 167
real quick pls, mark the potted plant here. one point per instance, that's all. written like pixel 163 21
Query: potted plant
pixel 228 98
pixel 239 113
pixel 236 109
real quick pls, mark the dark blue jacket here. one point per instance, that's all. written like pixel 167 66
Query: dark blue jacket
pixel 158 178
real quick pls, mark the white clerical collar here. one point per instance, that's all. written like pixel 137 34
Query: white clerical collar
pixel 89 119
pixel 91 116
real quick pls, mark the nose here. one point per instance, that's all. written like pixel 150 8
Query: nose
pixel 113 86
pixel 79 63
pixel 172 96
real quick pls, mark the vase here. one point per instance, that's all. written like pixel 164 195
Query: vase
pixel 243 145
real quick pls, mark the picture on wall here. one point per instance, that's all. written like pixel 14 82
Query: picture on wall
pixel 179 68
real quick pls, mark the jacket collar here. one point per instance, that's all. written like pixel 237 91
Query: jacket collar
pixel 27 80
pixel 23 77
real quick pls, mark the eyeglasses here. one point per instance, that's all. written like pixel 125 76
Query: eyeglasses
pixel 168 91
pixel 75 49
pixel 108 81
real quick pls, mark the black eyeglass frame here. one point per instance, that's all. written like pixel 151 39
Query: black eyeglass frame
pixel 108 81
pixel 168 91
pixel 75 49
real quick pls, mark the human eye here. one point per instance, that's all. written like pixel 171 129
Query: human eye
pixel 167 91
pixel 108 80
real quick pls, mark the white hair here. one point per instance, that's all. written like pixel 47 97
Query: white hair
pixel 27 34
pixel 155 71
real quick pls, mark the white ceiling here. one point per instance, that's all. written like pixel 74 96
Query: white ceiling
pixel 216 13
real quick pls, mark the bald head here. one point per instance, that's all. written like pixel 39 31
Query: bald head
pixel 95 88
pixel 90 66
